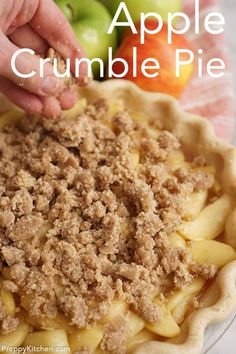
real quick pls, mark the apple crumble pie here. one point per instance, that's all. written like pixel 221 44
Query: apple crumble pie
pixel 100 230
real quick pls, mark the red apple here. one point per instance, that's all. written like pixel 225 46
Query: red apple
pixel 156 47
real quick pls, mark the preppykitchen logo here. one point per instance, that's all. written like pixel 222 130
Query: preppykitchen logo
pixel 34 349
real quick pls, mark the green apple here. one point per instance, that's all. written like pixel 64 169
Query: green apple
pixel 65 8
pixel 90 21
pixel 135 7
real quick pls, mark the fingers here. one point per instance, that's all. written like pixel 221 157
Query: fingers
pixel 48 85
pixel 52 25
pixel 23 99
pixel 68 98
pixel 26 37
pixel 50 107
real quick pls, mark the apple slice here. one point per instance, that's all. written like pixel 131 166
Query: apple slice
pixel 194 204
pixel 115 107
pixel 141 118
pixel 10 117
pixel 179 302
pixel 179 296
pixel 206 169
pixel 50 324
pixel 167 327
pixel 9 302
pixel 177 241
pixel 154 133
pixel 74 112
pixel 211 252
pixel 136 158
pixel 16 338
pixel 210 222
pixel 210 296
pixel 142 337
pixel 180 311
pixel 55 340
pixel 175 158
pixel 136 323
pixel 117 308
pixel 86 338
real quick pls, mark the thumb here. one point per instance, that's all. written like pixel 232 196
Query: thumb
pixel 27 63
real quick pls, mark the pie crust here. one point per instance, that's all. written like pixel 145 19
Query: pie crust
pixel 198 138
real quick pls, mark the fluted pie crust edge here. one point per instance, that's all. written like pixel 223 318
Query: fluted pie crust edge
pixel 198 138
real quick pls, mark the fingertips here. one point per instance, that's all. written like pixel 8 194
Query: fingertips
pixel 27 65
pixel 23 99
pixel 68 98
pixel 51 86
pixel 51 107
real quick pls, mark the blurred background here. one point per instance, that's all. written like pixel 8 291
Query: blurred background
pixel 229 10
pixel 226 344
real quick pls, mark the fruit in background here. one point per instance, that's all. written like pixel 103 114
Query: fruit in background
pixel 90 21
pixel 135 7
pixel 156 47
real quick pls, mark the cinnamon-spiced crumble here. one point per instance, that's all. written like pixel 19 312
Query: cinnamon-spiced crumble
pixel 83 223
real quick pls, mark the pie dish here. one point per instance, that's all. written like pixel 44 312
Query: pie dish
pixel 200 296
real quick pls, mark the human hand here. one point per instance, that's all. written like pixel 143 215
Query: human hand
pixel 38 25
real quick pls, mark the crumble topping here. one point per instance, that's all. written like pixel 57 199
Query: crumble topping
pixel 61 65
pixel 115 335
pixel 8 323
pixel 82 224
pixel 205 271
